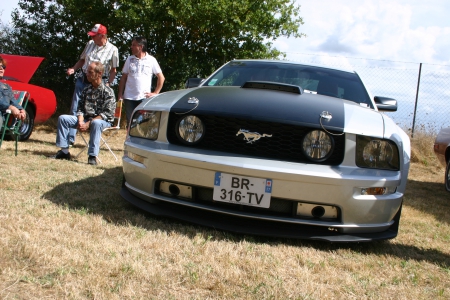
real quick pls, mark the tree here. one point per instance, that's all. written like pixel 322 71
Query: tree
pixel 8 39
pixel 188 38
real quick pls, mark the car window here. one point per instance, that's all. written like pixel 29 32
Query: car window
pixel 316 80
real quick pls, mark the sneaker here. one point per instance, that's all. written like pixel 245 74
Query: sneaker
pixel 92 160
pixel 71 144
pixel 61 155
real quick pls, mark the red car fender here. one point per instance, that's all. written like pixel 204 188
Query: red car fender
pixel 43 100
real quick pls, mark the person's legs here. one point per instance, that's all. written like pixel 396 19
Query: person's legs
pixel 65 124
pixel 79 86
pixel 130 105
pixel 96 129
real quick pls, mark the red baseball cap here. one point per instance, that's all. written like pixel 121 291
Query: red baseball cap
pixel 98 29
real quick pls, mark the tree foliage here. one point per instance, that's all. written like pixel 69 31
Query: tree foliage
pixel 188 38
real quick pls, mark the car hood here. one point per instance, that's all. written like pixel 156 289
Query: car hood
pixel 21 67
pixel 273 106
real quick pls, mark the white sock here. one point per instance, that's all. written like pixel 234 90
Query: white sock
pixel 65 150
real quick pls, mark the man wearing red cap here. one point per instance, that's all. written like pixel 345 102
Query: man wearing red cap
pixel 97 49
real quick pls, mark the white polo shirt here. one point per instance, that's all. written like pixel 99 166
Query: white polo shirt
pixel 140 73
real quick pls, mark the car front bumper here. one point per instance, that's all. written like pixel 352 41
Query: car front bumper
pixel 361 217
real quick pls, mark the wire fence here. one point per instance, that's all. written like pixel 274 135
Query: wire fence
pixel 422 91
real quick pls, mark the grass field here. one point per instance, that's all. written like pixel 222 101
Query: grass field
pixel 65 233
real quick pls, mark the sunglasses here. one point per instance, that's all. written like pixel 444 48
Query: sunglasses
pixel 3 67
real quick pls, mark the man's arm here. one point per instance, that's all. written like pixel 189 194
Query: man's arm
pixel 159 85
pixel 78 65
pixel 114 64
pixel 122 83
pixel 82 126
pixel 160 82
pixel 17 113
pixel 112 75
pixel 7 102
pixel 88 48
pixel 109 106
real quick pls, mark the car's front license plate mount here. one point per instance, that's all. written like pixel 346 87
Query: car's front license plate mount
pixel 242 190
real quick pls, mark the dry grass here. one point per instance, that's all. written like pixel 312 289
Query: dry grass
pixel 66 233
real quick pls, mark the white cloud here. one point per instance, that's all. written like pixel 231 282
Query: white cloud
pixel 397 30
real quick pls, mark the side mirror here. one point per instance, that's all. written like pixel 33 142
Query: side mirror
pixel 385 104
pixel 193 82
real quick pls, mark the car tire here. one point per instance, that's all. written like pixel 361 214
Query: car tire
pixel 27 125
pixel 447 177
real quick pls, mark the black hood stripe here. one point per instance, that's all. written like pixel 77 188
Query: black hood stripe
pixel 264 105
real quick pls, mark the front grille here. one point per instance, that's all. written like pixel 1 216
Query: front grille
pixel 285 144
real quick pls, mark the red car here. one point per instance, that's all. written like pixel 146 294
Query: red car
pixel 442 151
pixel 42 104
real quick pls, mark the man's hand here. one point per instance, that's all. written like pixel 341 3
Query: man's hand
pixel 83 126
pixel 19 114
pixel 70 71
pixel 149 94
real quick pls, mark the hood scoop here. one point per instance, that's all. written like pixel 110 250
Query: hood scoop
pixel 274 86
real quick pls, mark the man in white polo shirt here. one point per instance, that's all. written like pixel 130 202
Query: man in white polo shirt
pixel 98 49
pixel 136 81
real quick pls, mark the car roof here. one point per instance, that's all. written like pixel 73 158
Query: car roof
pixel 349 70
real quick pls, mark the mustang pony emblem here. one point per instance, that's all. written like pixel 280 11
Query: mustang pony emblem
pixel 251 137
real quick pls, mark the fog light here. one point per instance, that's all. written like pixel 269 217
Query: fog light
pixel 175 189
pixel 317 211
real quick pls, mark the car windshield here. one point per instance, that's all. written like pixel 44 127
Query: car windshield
pixel 316 80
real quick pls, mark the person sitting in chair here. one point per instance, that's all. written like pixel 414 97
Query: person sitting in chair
pixel 95 112
pixel 7 100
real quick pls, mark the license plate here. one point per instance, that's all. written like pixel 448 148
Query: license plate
pixel 242 190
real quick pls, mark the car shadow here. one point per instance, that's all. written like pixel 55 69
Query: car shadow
pixel 437 201
pixel 99 195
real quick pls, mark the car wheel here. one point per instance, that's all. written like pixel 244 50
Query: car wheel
pixel 447 177
pixel 27 125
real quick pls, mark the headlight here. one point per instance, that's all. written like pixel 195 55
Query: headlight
pixel 190 129
pixel 145 124
pixel 376 153
pixel 317 145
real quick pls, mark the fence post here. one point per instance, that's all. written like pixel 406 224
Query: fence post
pixel 415 105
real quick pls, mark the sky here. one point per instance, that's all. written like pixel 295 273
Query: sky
pixel 397 30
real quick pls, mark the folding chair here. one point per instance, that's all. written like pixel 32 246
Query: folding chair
pixel 11 125
pixel 113 129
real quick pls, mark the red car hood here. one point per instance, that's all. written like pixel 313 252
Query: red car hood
pixel 21 67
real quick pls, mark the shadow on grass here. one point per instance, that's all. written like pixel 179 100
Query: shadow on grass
pixel 100 196
pixel 429 198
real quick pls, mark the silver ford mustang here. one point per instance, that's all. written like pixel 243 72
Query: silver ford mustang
pixel 271 148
